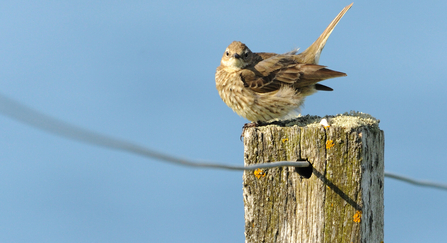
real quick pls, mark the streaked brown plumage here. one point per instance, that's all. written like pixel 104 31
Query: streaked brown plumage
pixel 263 87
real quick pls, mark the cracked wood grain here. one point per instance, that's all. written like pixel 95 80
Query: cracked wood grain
pixel 342 201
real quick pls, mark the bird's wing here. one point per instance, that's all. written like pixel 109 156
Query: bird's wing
pixel 274 72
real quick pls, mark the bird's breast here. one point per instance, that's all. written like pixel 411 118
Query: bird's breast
pixel 252 105
pixel 232 91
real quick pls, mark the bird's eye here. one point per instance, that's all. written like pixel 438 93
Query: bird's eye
pixel 227 53
pixel 246 54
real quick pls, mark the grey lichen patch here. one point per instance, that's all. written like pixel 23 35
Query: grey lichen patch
pixel 354 119
pixel 347 120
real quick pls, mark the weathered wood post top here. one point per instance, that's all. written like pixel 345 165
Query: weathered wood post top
pixel 341 201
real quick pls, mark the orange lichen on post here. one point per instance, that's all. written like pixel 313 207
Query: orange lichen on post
pixel 259 173
pixel 329 144
pixel 358 217
pixel 284 140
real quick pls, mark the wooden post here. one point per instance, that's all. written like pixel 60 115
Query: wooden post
pixel 342 201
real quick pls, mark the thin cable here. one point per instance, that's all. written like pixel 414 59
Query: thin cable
pixel 47 123
pixel 50 124
pixel 415 182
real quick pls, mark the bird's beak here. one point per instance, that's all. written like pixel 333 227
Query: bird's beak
pixel 236 56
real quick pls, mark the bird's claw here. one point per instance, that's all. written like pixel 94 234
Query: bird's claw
pixel 247 125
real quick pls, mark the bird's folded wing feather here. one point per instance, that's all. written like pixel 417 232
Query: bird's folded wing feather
pixel 274 72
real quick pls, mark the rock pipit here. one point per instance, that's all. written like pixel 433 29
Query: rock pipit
pixel 264 87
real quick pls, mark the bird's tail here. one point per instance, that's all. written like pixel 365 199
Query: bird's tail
pixel 312 54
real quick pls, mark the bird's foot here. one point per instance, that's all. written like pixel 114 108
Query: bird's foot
pixel 251 124
pixel 247 125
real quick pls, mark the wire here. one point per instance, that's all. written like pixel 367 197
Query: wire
pixel 52 125
pixel 415 182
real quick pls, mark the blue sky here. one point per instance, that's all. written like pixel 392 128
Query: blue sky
pixel 144 72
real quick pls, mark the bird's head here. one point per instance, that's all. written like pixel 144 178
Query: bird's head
pixel 237 56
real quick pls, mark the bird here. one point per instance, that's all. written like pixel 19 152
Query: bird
pixel 265 87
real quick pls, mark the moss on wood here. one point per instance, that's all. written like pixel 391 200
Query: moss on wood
pixel 341 199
